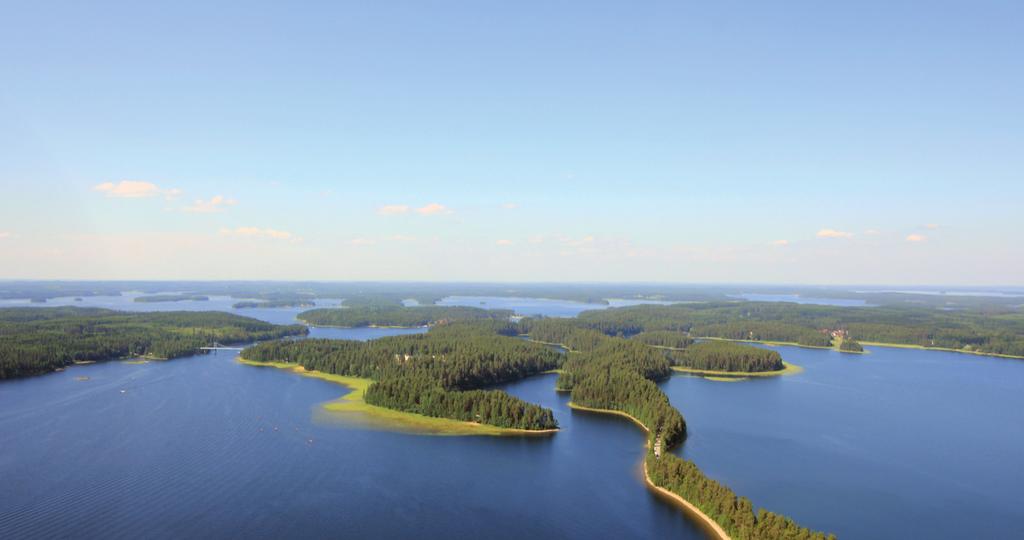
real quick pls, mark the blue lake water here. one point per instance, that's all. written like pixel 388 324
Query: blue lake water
pixel 538 306
pixel 898 443
pixel 206 447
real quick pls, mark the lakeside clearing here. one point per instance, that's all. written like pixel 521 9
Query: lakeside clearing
pixel 790 369
pixel 352 408
pixel 689 508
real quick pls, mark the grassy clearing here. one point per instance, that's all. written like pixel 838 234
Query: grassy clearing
pixel 352 409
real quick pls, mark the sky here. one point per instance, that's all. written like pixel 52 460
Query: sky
pixel 869 142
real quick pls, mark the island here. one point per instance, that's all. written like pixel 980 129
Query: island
pixel 172 298
pixel 246 304
pixel 397 315
pixel 34 341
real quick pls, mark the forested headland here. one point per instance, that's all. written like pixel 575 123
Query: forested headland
pixel 443 373
pixel 377 315
pixel 619 375
pixel 40 340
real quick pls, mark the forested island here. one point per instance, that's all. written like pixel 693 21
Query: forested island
pixel 172 298
pixel 247 304
pixel 387 315
pixel 726 356
pixel 40 340
pixel 441 374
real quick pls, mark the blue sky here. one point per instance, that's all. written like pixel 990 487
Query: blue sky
pixel 798 141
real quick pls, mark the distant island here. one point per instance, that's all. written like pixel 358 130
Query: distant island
pixel 172 298
pixel 398 316
pixel 247 304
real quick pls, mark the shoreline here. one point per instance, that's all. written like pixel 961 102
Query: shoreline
pixel 869 344
pixel 376 417
pixel 706 520
pixel 688 508
pixel 790 369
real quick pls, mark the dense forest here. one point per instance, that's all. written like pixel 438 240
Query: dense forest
pixel 172 298
pixel 999 332
pixel 727 356
pixel 442 373
pixel 375 315
pixel 664 338
pixel 39 340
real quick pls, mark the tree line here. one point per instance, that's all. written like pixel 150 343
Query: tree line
pixel 727 356
pixel 997 331
pixel 40 340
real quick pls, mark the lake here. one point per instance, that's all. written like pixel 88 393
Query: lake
pixel 206 447
pixel 897 443
pixel 539 306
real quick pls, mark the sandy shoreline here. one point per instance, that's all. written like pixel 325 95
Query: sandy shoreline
pixel 686 505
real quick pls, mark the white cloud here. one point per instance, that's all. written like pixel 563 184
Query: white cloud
pixel 932 226
pixel 134 189
pixel 392 209
pixel 916 238
pixel 872 232
pixel 832 233
pixel 780 243
pixel 362 241
pixel 504 242
pixel 6 234
pixel 216 204
pixel 433 209
pixel 256 232
pixel 510 206
pixel 403 238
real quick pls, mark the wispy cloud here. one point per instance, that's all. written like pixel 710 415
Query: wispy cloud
pixel 134 189
pixel 780 243
pixel 916 238
pixel 403 238
pixel 504 242
pixel 872 232
pixel 433 209
pixel 362 241
pixel 6 234
pixel 216 204
pixel 932 226
pixel 832 233
pixel 510 206
pixel 392 209
pixel 257 232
